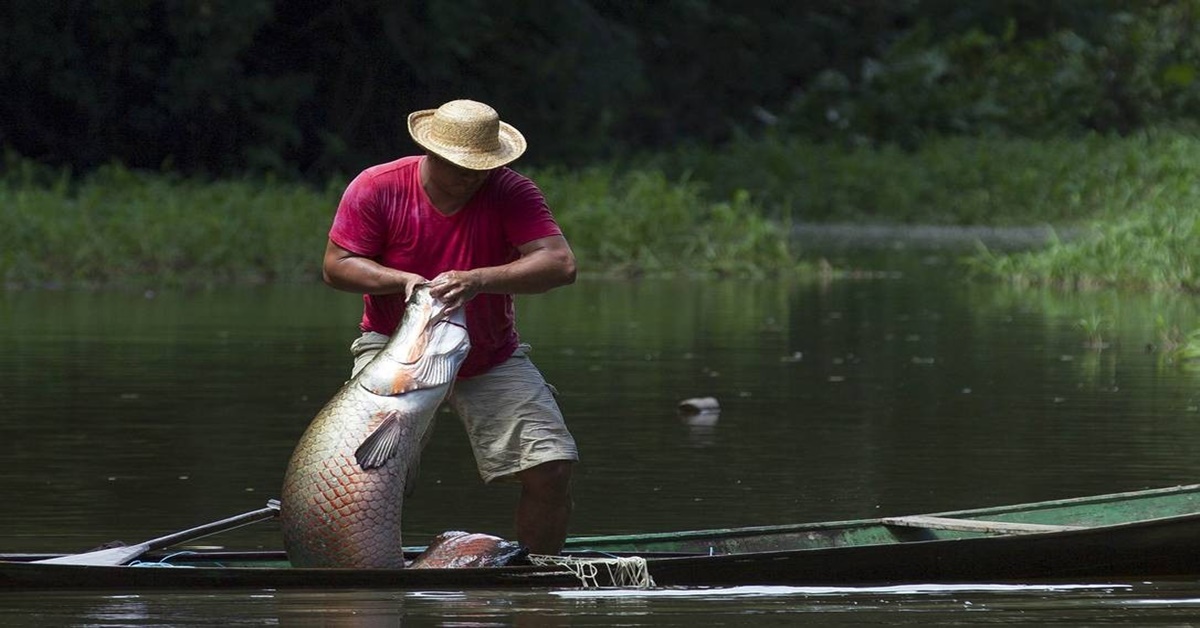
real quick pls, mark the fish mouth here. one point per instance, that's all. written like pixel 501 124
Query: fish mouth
pixel 446 321
pixel 439 314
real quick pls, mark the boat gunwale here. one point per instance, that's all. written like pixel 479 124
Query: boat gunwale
pixel 19 571
pixel 584 553
pixel 583 541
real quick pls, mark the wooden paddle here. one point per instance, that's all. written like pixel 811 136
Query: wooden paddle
pixel 120 555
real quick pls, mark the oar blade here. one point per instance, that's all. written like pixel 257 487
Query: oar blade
pixel 110 557
pixel 116 556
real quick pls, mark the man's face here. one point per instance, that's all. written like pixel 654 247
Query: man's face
pixel 454 179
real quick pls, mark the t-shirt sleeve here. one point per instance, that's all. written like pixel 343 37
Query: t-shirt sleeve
pixel 357 225
pixel 527 216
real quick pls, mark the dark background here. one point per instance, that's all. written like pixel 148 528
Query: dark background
pixel 314 88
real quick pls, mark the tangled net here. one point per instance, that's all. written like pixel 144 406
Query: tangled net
pixel 626 573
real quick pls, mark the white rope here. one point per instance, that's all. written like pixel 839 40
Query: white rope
pixel 164 562
pixel 625 572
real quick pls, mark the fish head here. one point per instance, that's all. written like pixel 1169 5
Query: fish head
pixel 448 337
pixel 457 550
pixel 425 352
pixel 421 312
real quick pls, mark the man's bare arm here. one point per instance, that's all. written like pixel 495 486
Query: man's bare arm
pixel 544 264
pixel 349 271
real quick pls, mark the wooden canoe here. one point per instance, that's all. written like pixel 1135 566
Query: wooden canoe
pixel 1116 537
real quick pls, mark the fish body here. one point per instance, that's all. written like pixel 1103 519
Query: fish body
pixel 347 477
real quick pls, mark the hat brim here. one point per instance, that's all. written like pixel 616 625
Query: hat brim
pixel 512 144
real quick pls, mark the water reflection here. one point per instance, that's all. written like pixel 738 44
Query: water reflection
pixel 897 392
pixel 1167 602
pixel 915 392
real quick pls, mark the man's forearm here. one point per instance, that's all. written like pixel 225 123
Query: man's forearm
pixel 534 273
pixel 365 276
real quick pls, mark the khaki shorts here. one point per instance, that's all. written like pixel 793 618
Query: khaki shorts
pixel 509 413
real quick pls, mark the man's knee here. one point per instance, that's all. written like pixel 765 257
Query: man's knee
pixel 549 478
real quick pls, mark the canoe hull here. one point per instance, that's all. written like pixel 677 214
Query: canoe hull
pixel 1154 549
pixel 1119 537
pixel 30 576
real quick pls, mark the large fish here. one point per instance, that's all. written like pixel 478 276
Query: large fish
pixel 346 481
pixel 458 550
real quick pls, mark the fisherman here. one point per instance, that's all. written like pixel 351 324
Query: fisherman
pixel 478 232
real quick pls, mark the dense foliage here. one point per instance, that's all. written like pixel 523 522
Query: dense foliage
pixel 670 136
pixel 121 227
pixel 319 88
pixel 952 180
pixel 118 226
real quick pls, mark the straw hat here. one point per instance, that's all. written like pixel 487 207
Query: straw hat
pixel 468 134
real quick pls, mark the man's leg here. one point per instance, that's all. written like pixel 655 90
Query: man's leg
pixel 544 507
pixel 518 434
pixel 365 348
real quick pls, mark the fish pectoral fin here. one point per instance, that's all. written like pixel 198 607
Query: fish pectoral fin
pixel 381 445
pixel 429 371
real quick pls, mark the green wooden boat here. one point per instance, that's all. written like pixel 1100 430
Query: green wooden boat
pixel 1116 537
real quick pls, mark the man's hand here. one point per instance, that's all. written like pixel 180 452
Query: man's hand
pixel 544 264
pixel 346 270
pixel 455 288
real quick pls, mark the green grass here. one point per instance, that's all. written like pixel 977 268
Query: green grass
pixel 1176 347
pixel 1137 198
pixel 117 226
pixel 121 227
pixel 712 212
pixel 1152 247
pixel 952 180
pixel 639 222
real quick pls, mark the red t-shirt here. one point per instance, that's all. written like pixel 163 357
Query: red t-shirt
pixel 385 215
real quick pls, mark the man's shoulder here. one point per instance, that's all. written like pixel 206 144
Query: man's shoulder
pixel 391 169
pixel 508 183
pixel 508 176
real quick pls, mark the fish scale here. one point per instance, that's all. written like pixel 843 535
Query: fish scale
pixel 335 512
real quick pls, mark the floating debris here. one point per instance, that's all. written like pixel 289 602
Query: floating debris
pixel 696 405
pixel 699 411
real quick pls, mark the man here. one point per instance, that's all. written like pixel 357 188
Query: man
pixel 479 233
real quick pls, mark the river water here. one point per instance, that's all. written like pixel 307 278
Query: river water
pixel 901 388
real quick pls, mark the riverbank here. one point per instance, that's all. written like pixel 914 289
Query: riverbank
pixel 950 238
pixel 1130 206
pixel 1113 211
